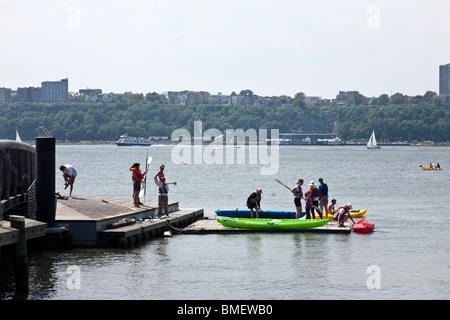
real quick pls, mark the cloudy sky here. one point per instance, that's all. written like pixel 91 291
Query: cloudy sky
pixel 273 47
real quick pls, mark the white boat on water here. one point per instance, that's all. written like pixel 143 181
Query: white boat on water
pixel 372 143
pixel 125 140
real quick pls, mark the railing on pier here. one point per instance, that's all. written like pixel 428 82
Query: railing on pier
pixel 17 174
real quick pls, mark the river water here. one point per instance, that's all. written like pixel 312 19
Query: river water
pixel 407 257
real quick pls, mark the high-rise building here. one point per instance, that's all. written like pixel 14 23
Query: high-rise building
pixel 5 95
pixel 55 91
pixel 29 94
pixel 444 80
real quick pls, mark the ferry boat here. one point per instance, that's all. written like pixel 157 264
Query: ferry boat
pixel 125 140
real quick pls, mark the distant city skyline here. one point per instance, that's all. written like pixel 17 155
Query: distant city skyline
pixel 273 48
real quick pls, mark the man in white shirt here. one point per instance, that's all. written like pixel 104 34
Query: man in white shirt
pixel 69 175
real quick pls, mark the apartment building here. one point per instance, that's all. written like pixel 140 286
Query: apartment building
pixel 444 80
pixel 187 98
pixel 55 91
pixel 5 95
pixel 29 94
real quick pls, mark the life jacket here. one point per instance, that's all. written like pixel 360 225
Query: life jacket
pixel 346 209
pixel 138 173
pixel 316 193
pixel 162 189
pixel 298 190
pixel 328 208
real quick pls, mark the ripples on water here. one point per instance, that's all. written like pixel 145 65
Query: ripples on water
pixel 407 205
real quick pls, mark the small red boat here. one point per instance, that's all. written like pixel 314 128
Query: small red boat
pixel 363 226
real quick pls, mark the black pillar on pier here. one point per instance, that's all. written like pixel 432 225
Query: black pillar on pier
pixel 45 180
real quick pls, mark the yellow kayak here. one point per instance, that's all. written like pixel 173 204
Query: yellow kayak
pixel 427 168
pixel 354 214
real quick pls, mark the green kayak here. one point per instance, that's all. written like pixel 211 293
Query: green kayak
pixel 287 224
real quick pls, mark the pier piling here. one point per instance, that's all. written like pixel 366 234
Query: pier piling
pixel 20 255
pixel 45 178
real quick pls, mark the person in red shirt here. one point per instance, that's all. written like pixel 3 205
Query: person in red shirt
pixel 137 177
pixel 316 194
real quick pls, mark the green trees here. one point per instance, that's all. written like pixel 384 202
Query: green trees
pixel 391 123
pixel 150 115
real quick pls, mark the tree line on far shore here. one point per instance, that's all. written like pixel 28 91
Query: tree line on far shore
pixel 80 121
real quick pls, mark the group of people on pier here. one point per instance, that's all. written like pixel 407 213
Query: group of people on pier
pixel 316 199
pixel 138 177
pixel 160 181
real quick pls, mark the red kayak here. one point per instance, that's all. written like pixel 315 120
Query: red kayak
pixel 363 226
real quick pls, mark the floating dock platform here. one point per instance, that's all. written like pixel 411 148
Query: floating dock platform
pixel 211 226
pixel 115 222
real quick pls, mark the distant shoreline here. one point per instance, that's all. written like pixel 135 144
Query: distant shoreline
pixel 441 144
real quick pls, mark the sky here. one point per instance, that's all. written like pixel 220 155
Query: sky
pixel 272 47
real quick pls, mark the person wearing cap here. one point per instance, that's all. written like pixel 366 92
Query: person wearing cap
pixel 343 214
pixel 316 194
pixel 163 197
pixel 254 202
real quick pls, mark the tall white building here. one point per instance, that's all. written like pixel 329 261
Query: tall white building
pixel 55 91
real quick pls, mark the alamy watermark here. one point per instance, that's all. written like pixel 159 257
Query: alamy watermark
pixel 74 17
pixel 374 280
pixel 73 281
pixel 227 148
pixel 374 18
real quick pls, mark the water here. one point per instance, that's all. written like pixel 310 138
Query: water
pixel 408 206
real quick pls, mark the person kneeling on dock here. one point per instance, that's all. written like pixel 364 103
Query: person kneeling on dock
pixel 163 198
pixel 343 214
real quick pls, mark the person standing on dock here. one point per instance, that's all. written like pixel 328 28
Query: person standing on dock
pixel 163 197
pixel 69 175
pixel 308 205
pixel 138 178
pixel 254 202
pixel 323 202
pixel 316 195
pixel 298 195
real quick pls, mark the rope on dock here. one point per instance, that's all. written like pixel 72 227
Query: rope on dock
pixel 182 231
pixel 188 231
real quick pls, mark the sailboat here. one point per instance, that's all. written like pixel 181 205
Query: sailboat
pixel 372 144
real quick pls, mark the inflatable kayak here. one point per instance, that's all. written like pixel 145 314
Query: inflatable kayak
pixel 354 214
pixel 363 226
pixel 274 224
pixel 263 214
pixel 427 168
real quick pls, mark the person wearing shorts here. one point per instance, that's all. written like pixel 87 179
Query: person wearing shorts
pixel 298 195
pixel 69 175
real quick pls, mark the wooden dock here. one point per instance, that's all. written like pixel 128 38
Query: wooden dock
pixel 109 221
pixel 210 226
pixel 33 229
